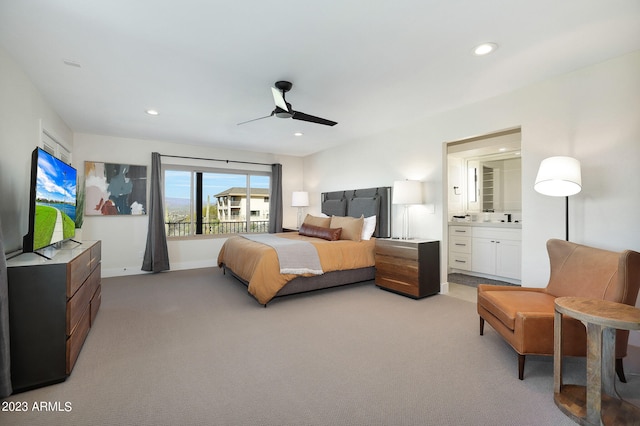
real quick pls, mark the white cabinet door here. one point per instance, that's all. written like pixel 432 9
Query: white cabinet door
pixel 508 258
pixel 483 255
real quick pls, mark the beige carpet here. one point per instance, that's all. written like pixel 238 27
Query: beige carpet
pixel 193 348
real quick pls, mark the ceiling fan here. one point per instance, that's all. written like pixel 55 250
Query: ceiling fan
pixel 283 108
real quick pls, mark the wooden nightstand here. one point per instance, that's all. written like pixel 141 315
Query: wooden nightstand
pixel 408 267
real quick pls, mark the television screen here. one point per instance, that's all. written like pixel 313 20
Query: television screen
pixel 53 201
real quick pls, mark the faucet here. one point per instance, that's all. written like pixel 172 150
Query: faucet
pixel 508 215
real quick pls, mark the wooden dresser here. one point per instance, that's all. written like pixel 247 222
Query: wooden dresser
pixel 408 267
pixel 52 306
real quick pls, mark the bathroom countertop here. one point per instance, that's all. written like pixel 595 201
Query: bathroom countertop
pixel 511 225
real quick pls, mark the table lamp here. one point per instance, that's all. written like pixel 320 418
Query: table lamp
pixel 300 199
pixel 406 193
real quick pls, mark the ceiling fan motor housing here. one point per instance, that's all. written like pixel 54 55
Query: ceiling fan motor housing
pixel 284 86
pixel 280 113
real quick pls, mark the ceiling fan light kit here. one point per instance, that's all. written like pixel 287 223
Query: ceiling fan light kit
pixel 283 108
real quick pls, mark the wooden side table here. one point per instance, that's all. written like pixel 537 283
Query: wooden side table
pixel 598 403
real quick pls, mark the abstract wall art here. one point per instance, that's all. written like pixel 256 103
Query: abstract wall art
pixel 115 189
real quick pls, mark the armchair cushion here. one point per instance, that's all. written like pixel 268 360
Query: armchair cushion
pixel 505 305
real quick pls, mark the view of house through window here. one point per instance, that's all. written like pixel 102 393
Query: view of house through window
pixel 215 202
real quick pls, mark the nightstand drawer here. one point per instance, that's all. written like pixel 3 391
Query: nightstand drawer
pixel 397 268
pixel 398 286
pixel 397 250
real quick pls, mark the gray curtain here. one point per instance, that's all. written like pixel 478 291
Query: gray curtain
pixel 275 200
pixel 5 365
pixel 156 255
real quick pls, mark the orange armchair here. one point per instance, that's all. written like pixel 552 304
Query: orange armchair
pixel 523 316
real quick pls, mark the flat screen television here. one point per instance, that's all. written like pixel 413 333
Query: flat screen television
pixel 52 202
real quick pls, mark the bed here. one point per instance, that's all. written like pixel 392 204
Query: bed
pixel 261 263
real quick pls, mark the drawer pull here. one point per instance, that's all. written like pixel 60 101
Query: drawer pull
pixel 461 261
pixel 460 244
pixel 458 230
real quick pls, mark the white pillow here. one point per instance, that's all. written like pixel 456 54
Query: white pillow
pixel 368 228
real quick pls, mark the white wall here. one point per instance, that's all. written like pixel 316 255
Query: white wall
pixel 591 114
pixel 124 237
pixel 23 112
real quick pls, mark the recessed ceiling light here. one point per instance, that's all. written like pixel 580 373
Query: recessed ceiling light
pixel 151 112
pixel 484 49
pixel 298 134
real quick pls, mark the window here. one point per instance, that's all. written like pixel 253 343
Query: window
pixel 215 202
pixel 51 144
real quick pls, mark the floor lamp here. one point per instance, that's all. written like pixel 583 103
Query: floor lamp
pixel 300 199
pixel 406 193
pixel 559 177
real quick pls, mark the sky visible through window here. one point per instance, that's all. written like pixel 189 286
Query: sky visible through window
pixel 178 183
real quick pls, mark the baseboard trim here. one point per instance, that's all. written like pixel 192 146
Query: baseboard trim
pixel 136 270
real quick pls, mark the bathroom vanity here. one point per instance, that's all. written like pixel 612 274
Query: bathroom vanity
pixel 487 249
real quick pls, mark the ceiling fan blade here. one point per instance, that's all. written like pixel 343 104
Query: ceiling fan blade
pixel 278 98
pixel 297 115
pixel 256 119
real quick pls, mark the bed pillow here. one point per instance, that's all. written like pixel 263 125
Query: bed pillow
pixel 329 234
pixel 351 227
pixel 322 222
pixel 368 227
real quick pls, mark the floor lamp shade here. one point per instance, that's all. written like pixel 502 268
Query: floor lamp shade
pixel 559 177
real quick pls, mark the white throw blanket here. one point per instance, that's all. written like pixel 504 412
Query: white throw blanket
pixel 295 257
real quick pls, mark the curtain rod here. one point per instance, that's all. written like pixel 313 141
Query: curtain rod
pixel 216 159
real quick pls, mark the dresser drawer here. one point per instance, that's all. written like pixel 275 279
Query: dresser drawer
pixel 80 301
pixel 79 269
pixel 96 254
pixel 96 300
pixel 76 340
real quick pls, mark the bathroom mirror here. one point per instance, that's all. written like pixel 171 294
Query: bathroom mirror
pixel 494 184
pixel 484 174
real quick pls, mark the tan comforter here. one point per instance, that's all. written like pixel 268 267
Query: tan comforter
pixel 258 264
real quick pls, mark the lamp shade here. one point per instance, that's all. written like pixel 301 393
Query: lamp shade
pixel 559 177
pixel 300 199
pixel 407 192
